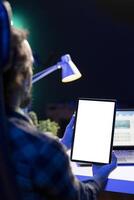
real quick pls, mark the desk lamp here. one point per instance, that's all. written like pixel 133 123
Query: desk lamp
pixel 69 70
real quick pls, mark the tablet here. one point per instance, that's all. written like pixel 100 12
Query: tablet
pixel 93 131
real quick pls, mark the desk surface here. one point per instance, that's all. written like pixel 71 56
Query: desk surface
pixel 120 180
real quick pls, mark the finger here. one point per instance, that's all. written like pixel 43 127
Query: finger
pixel 71 123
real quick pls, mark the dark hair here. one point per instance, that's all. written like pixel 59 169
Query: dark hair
pixel 17 68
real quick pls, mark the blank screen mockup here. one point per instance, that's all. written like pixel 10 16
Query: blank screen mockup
pixel 93 132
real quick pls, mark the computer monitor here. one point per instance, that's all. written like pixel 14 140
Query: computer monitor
pixel 124 129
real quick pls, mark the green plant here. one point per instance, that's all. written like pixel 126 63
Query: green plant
pixel 48 126
pixel 44 125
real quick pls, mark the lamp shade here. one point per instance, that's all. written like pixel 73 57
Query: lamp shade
pixel 69 70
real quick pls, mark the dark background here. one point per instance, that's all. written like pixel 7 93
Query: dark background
pixel 99 36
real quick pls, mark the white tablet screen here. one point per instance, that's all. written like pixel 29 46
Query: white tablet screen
pixel 93 132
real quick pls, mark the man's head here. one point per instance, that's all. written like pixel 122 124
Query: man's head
pixel 18 73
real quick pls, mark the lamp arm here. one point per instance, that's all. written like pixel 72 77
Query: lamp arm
pixel 45 72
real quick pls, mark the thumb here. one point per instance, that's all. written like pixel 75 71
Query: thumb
pixel 71 123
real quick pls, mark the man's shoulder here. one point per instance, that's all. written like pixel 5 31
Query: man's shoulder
pixel 29 141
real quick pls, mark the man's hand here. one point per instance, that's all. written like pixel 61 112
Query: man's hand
pixel 101 172
pixel 68 134
pixel 107 167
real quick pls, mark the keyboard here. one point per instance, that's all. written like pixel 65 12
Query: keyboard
pixel 124 156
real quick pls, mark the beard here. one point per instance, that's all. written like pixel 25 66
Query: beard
pixel 26 99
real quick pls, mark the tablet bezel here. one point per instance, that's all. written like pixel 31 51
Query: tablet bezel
pixel 112 132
